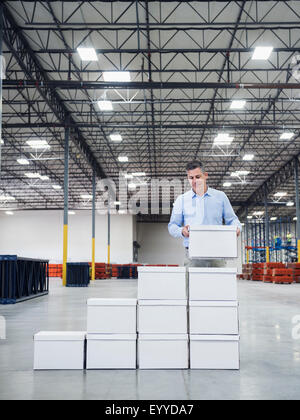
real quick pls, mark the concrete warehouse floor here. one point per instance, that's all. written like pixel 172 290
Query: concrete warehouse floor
pixel 270 357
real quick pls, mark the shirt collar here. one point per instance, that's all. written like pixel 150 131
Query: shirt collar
pixel 208 192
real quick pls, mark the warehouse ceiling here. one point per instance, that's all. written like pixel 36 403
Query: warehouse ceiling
pixel 187 62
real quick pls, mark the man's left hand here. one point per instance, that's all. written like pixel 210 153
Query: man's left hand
pixel 238 232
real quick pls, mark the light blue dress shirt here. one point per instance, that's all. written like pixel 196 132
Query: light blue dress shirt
pixel 210 209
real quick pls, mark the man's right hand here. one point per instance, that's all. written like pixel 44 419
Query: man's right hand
pixel 185 231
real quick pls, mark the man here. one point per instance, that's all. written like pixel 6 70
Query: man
pixel 201 205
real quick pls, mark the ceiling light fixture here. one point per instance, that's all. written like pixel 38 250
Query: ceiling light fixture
pixel 115 137
pixel 38 144
pixel 116 76
pixel 287 136
pixel 23 161
pixel 248 157
pixel 262 53
pixel 237 104
pixel 223 139
pixel 123 159
pixel 105 105
pixel 87 54
pixel 227 184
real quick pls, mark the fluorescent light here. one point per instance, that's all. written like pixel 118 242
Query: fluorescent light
pixel 122 211
pixel 240 173
pixel 123 159
pixel 105 105
pixel 116 76
pixel 223 139
pixel 295 219
pixel 258 213
pixel 71 212
pixel 38 144
pixel 237 104
pixel 86 196
pixel 248 157
pixel 9 213
pixel 87 54
pixel 44 178
pixel 290 204
pixel 1 141
pixel 23 161
pixel 4 197
pixel 286 136
pixel 32 175
pixel 227 184
pixel 132 186
pixel 273 219
pixel 56 187
pixel 117 203
pixel 116 137
pixel 262 53
pixel 280 194
pixel 128 176
pixel 138 174
pixel 249 217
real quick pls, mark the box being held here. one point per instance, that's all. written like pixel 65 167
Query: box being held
pixel 111 316
pixel 163 351
pixel 162 316
pixel 61 350
pixel 162 283
pixel 111 351
pixel 213 241
pixel 214 352
pixel 219 317
pixel 213 284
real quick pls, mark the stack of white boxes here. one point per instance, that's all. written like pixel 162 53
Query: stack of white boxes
pixel 162 314
pixel 111 334
pixel 162 318
pixel 213 306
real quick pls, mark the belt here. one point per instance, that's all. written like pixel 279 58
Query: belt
pixel 186 247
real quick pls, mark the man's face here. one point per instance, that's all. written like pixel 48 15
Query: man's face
pixel 197 180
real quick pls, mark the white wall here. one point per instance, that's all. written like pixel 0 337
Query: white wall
pixel 39 234
pixel 157 246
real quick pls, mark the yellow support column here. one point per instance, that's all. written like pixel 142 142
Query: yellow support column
pixel 108 254
pixel 94 226
pixel 268 254
pixel 247 256
pixel 65 255
pixel 298 250
pixel 93 260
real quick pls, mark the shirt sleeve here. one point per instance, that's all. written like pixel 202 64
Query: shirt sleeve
pixel 229 215
pixel 176 221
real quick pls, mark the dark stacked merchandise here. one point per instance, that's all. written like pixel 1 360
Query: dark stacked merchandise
pixel 78 274
pixel 22 278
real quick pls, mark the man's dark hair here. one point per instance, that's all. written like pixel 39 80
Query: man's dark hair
pixel 194 164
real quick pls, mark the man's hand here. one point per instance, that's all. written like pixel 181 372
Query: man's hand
pixel 185 231
pixel 238 232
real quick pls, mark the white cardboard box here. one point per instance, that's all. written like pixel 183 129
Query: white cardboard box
pixel 207 317
pixel 111 316
pixel 212 284
pixel 61 350
pixel 214 352
pixel 162 316
pixel 163 351
pixel 111 351
pixel 213 242
pixel 162 283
